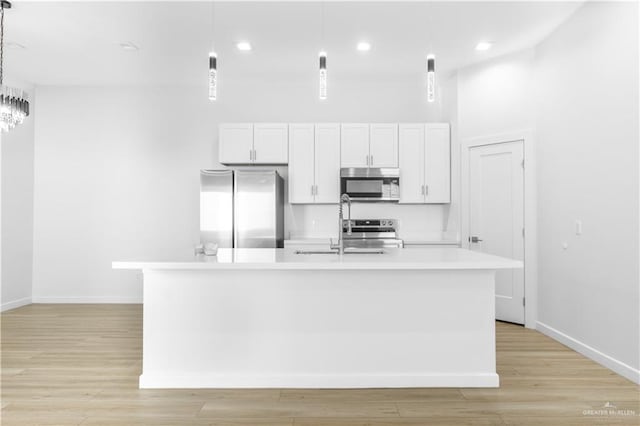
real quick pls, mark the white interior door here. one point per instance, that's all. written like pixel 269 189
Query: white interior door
pixel 496 222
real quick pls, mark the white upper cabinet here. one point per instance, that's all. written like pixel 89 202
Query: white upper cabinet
pixel 425 163
pixel 327 164
pixel 364 145
pixel 411 150
pixel 301 163
pixel 259 143
pixel 314 163
pixel 383 145
pixel 235 143
pixel 438 163
pixel 270 143
pixel 316 152
pixel 354 145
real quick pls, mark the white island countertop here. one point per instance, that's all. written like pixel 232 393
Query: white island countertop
pixel 432 258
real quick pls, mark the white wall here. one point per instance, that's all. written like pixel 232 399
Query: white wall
pixel 495 96
pixel 17 213
pixel 578 91
pixel 587 134
pixel 117 170
pixel 495 104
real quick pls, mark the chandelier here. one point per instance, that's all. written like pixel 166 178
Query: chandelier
pixel 14 104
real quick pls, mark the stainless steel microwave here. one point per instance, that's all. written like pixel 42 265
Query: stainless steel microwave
pixel 370 184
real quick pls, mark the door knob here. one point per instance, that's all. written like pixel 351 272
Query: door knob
pixel 474 239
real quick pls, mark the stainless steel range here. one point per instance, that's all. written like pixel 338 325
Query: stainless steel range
pixel 371 233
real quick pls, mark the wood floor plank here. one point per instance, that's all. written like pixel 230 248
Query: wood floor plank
pixel 421 421
pixel 299 408
pixel 383 395
pixel 79 364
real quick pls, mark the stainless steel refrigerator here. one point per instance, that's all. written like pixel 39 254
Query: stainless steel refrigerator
pixel 242 208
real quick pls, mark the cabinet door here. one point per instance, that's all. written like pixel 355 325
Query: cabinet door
pixel 411 150
pixel 235 143
pixel 438 163
pixel 327 163
pixel 354 145
pixel 383 145
pixel 301 163
pixel 270 143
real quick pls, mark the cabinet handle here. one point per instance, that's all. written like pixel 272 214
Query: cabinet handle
pixel 371 162
pixel 250 155
pixel 255 155
pixel 312 190
pixel 316 186
pixel 422 189
pixel 367 159
pixel 426 190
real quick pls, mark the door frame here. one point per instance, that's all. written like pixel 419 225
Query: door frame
pixel 530 210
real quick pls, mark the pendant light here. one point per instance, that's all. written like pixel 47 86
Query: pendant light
pixel 323 75
pixel 431 78
pixel 213 76
pixel 431 58
pixel 322 83
pixel 14 103
pixel 213 61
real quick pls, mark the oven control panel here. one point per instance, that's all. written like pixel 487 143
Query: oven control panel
pixel 371 223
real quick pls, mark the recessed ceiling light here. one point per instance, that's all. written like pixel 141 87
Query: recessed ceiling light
pixel 364 46
pixel 245 46
pixel 484 45
pixel 128 46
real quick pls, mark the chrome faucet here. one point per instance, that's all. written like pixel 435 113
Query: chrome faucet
pixel 340 246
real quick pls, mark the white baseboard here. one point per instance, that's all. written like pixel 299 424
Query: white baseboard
pixel 213 381
pixel 87 299
pixel 601 358
pixel 15 304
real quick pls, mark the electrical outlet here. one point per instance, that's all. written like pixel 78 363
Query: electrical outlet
pixel 578 227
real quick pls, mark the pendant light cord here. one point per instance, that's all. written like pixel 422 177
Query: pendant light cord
pixel 2 45
pixel 213 26
pixel 322 13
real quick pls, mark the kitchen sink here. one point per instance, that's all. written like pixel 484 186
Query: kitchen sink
pixel 356 250
pixel 316 252
pixel 348 250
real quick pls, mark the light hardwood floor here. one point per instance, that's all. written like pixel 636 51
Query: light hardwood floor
pixel 79 364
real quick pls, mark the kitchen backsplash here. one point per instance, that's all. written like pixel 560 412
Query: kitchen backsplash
pixel 415 222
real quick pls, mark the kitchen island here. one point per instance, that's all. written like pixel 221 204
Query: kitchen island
pixel 251 318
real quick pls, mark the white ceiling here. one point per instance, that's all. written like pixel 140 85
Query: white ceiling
pixel 78 43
